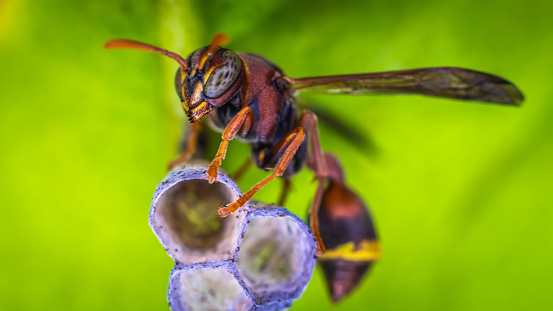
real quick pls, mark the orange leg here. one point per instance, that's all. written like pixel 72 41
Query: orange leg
pixel 228 134
pixel 290 144
pixel 309 121
pixel 194 129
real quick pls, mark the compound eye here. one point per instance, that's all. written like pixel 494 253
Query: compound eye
pixel 222 78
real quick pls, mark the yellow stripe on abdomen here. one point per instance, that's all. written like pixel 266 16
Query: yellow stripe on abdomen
pixel 368 250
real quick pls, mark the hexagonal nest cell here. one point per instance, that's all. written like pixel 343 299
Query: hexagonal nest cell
pixel 259 258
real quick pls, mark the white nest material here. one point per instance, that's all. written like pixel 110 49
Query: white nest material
pixel 259 258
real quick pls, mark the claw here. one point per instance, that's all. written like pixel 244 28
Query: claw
pixel 234 206
pixel 227 210
pixel 211 174
pixel 320 250
pixel 211 178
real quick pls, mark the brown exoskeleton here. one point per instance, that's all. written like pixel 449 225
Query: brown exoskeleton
pixel 247 95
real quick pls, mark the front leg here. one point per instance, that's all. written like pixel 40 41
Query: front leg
pixel 228 134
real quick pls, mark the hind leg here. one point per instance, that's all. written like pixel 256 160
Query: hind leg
pixel 319 168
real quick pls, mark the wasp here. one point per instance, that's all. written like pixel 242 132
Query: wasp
pixel 246 96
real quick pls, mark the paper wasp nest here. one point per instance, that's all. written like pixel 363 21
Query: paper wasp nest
pixel 259 258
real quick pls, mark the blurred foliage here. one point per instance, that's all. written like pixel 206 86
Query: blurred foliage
pixel 461 192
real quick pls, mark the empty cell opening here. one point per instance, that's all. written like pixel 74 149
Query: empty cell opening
pixel 190 207
pixel 207 290
pixel 187 223
pixel 272 256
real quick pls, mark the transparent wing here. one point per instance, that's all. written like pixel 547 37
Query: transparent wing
pixel 450 82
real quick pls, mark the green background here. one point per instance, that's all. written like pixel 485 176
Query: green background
pixel 461 192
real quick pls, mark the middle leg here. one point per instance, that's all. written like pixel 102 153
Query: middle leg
pixel 287 147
